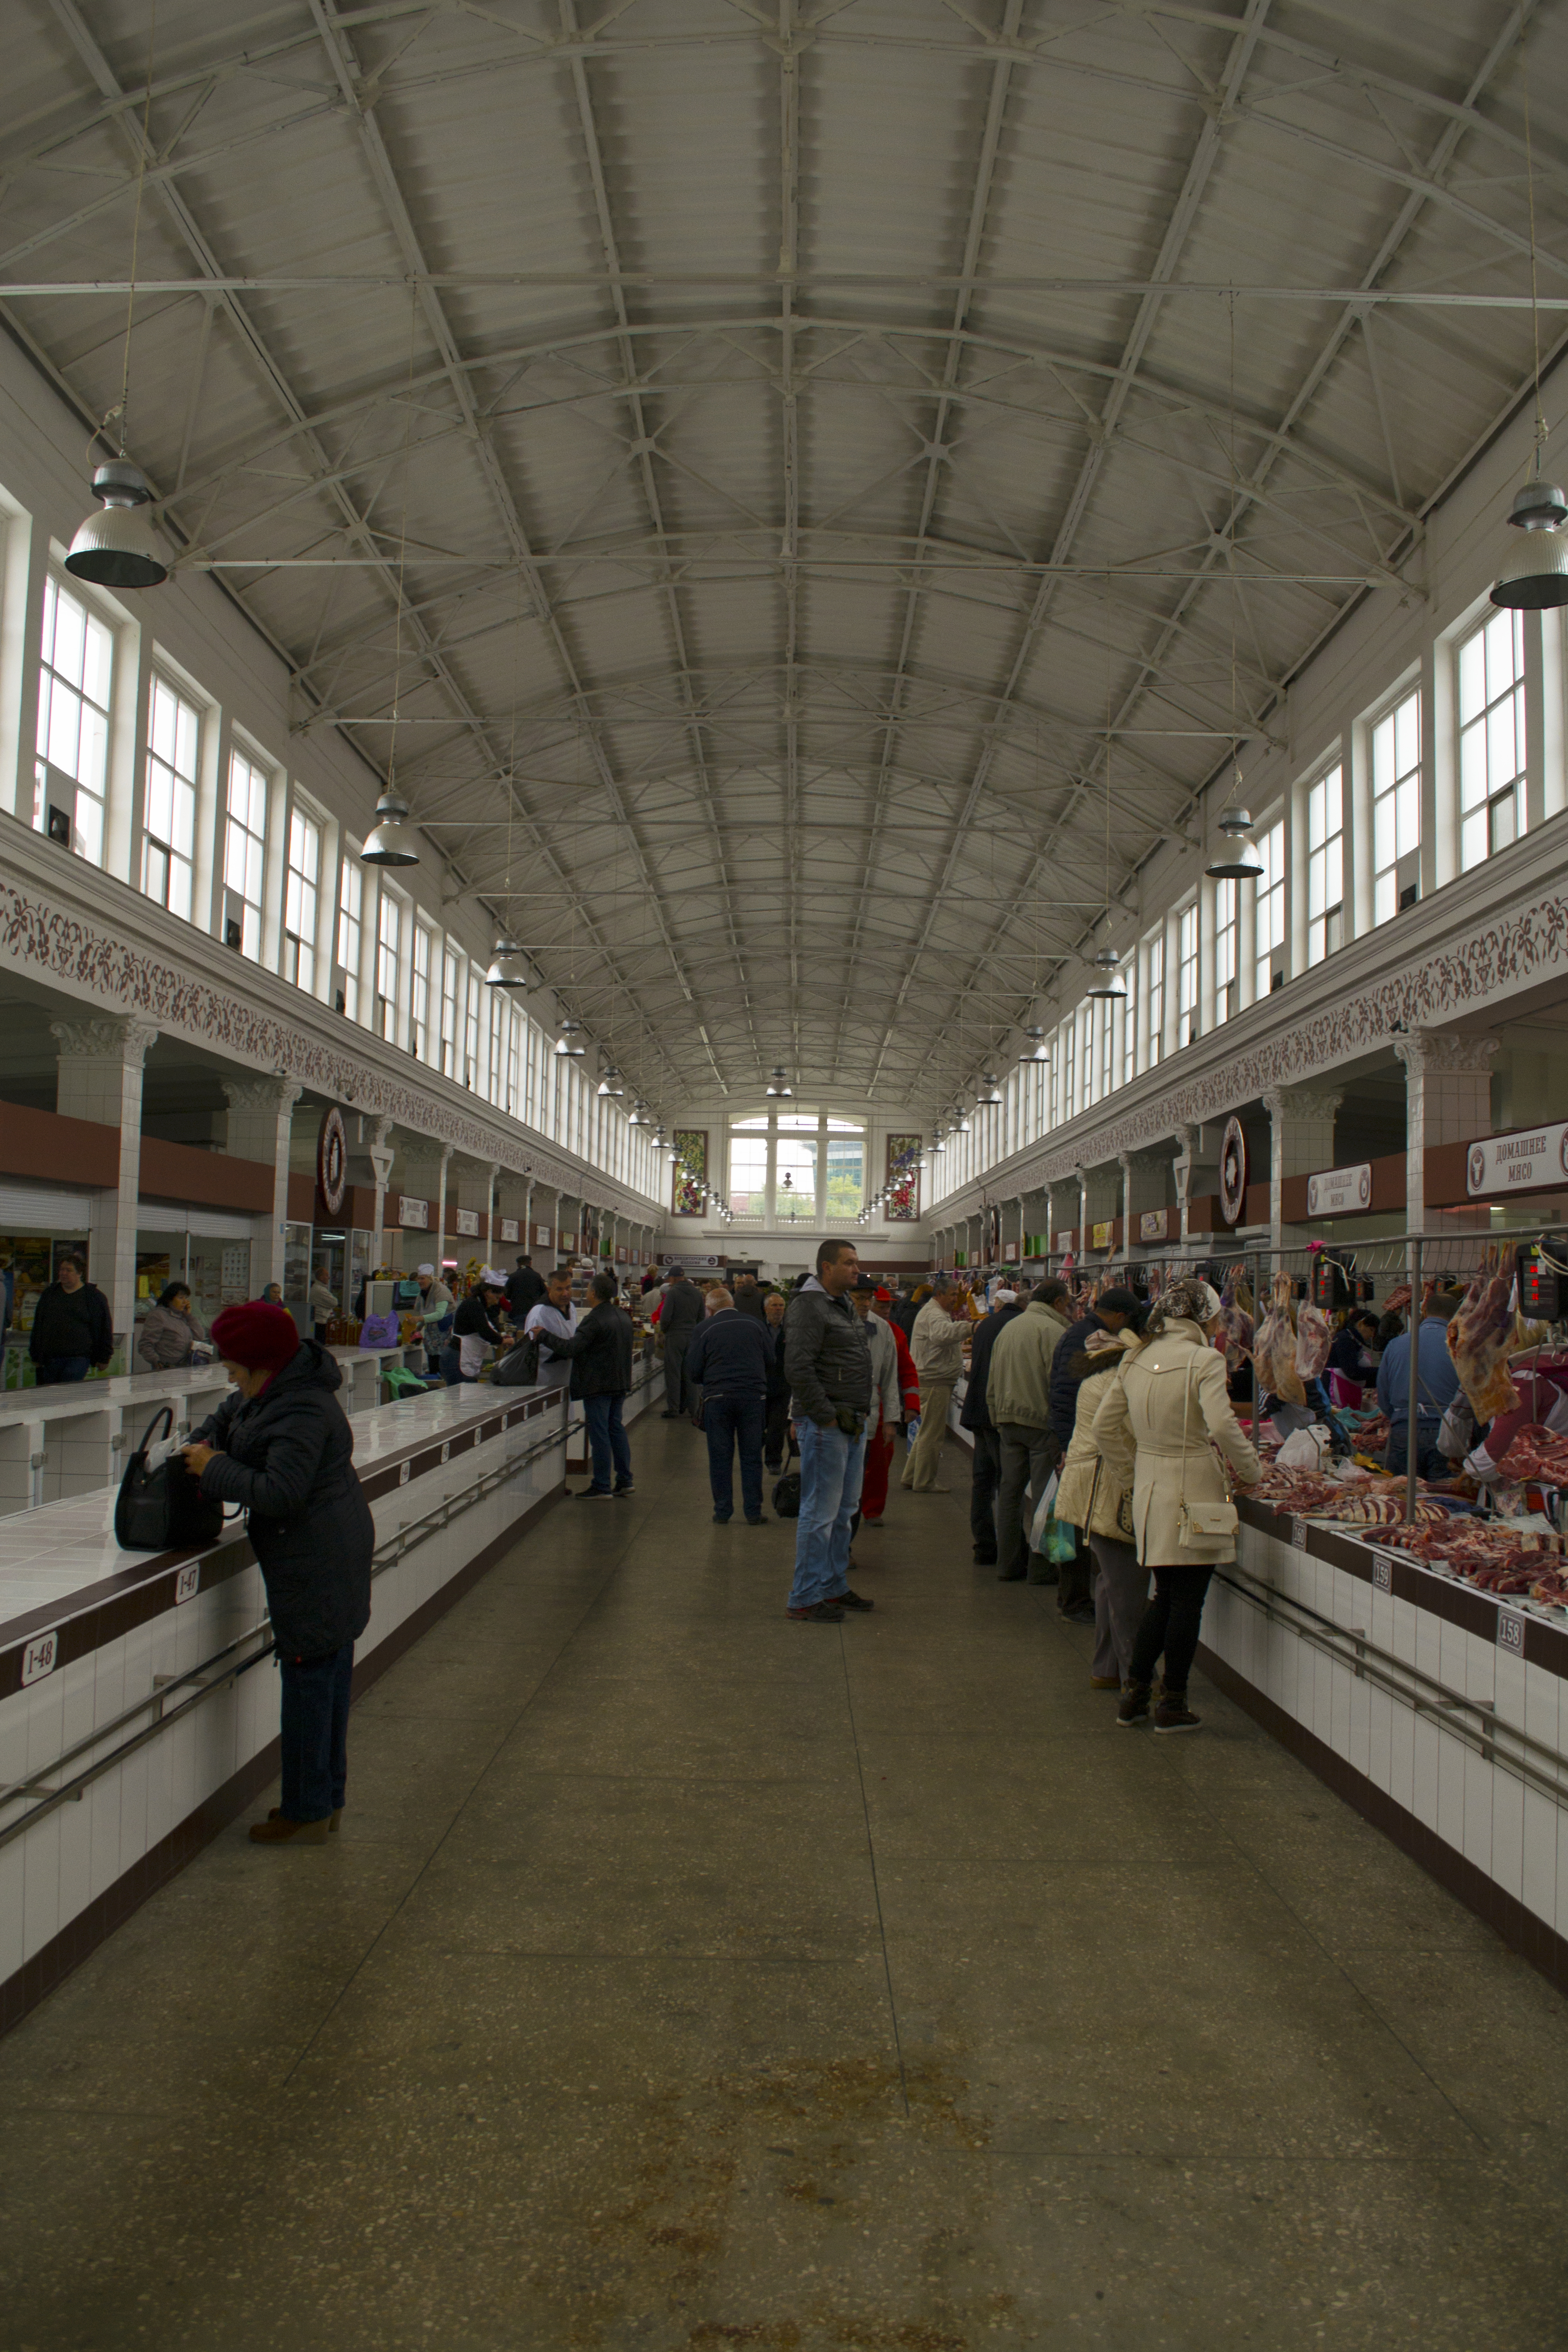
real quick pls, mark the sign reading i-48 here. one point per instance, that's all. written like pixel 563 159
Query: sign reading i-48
pixel 41 1656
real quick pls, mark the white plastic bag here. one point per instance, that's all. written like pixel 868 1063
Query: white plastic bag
pixel 1305 1449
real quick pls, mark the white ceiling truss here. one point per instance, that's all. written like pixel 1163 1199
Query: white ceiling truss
pixel 797 466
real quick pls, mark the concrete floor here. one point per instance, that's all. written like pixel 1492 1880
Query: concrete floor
pixel 685 1978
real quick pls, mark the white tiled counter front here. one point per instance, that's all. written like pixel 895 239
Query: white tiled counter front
pixel 1439 1711
pixel 93 1641
pixel 72 1439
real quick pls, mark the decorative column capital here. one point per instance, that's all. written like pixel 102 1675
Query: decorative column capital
pixel 1300 1102
pixel 278 1095
pixel 1445 1049
pixel 107 1040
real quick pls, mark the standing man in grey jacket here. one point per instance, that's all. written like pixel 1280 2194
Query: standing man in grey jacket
pixel 828 1363
pixel 1018 1399
pixel 941 1326
pixel 680 1313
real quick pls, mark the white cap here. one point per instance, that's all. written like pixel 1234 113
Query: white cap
pixel 1006 1298
pixel 490 1279
pixel 424 1269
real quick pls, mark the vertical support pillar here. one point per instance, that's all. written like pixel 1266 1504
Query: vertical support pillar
pixel 1447 1099
pixel 100 1079
pixel 1302 1142
pixel 259 1127
pixel 381 1157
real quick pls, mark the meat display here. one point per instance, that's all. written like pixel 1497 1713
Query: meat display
pixel 1314 1337
pixel 1537 1452
pixel 1236 1321
pixel 1274 1350
pixel 1482 1334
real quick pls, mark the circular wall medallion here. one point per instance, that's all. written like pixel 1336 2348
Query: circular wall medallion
pixel 333 1162
pixel 1232 1172
pixel 1478 1168
pixel 1363 1187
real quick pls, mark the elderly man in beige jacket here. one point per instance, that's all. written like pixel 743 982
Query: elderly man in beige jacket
pixel 936 1343
pixel 1018 1399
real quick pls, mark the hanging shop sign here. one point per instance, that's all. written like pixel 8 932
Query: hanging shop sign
pixel 1154 1225
pixel 466 1221
pixel 510 1230
pixel 1064 1239
pixel 1531 1156
pixel 332 1161
pixel 542 1237
pixel 1232 1172
pixel 1103 1232
pixel 413 1212
pixel 1339 1191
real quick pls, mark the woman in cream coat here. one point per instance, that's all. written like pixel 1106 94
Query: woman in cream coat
pixel 1095 1493
pixel 1171 1397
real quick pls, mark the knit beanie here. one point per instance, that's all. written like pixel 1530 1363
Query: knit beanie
pixel 259 1337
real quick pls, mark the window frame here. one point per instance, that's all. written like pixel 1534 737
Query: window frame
pixel 1477 818
pixel 1390 803
pixel 261 779
pixel 51 677
pixel 1326 931
pixel 183 796
pixel 295 947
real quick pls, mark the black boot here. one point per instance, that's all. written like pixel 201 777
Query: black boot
pixel 1174 1713
pixel 1135 1706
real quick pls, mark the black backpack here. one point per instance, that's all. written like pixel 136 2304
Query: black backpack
pixel 162 1509
pixel 786 1495
pixel 519 1367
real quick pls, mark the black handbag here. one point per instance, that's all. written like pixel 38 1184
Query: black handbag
pixel 786 1496
pixel 162 1509
pixel 519 1367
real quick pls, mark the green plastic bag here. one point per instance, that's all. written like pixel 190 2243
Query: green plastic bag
pixel 1061 1542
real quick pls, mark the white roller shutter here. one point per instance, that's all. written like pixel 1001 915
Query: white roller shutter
pixel 170 1217
pixel 43 1209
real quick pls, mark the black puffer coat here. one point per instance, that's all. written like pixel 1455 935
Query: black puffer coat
pixel 827 1355
pixel 287 1455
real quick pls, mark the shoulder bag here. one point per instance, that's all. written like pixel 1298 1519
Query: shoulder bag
pixel 162 1509
pixel 519 1367
pixel 1200 1523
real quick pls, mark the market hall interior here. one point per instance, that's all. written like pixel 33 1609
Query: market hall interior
pixel 685 1979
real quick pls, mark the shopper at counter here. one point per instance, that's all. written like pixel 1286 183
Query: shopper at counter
pixel 986 1471
pixel 1018 1399
pixel 554 1317
pixel 601 1353
pixel 1171 1398
pixel 168 1331
pixel 1094 1494
pixel 436 1308
pixel 476 1330
pixel 281 1445
pixel 73 1332
pixel 323 1303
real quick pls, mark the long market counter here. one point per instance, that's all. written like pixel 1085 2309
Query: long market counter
pixel 71 1440
pixel 133 1725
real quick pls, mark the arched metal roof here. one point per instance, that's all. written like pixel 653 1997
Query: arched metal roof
pixel 831 477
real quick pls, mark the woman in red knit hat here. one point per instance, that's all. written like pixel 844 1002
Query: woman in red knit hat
pixel 280 1444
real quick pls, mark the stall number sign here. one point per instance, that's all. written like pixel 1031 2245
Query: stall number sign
pixel 542 1237
pixel 188 1582
pixel 509 1230
pixel 467 1221
pixel 1151 1225
pixel 1064 1239
pixel 1102 1234
pixel 40 1657
pixel 1510 1632
pixel 1519 1162
pixel 1339 1191
pixel 413 1212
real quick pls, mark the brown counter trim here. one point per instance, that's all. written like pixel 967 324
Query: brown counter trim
pixel 145 1587
pixel 1519 1927
pixel 55 1961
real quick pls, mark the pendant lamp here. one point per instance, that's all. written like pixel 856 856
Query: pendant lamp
pixel 117 547
pixel 509 965
pixel 390 843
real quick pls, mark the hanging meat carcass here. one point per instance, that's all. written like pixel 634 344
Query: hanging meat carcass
pixel 1236 1321
pixel 1482 1335
pixel 1274 1348
pixel 1314 1337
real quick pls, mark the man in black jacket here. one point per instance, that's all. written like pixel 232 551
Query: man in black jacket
pixel 1111 1311
pixel 986 1473
pixel 601 1353
pixel 749 1297
pixel 775 1427
pixel 728 1358
pixel 524 1288
pixel 680 1313
pixel 72 1328
pixel 827 1358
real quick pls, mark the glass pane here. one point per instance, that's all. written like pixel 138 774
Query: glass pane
pixel 1383 769
pixel 98 663
pixel 92 756
pixel 1332 800
pixel 1333 886
pixel 1407 806
pixel 63 743
pixel 1385 896
pixel 1407 734
pixel 1472 839
pixel 1315 899
pixel 185 739
pixel 1473 764
pixel 1503 813
pixel 160 802
pixel 70 639
pixel 184 818
pixel 1384 832
pixel 1501 765
pixel 1472 678
pixel 161 721
pixel 89 829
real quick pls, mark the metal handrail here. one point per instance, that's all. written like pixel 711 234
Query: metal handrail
pixel 1443 1706
pixel 385 1555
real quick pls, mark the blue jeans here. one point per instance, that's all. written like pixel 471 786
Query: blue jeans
pixel 830 1468
pixel 54 1372
pixel 315 1734
pixel 1429 1463
pixel 731 1421
pixel 607 1442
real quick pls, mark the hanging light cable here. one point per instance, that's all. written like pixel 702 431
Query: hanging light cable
pixel 1536 578
pixel 116 548
pixel 509 966
pixel 1109 987
pixel 1240 862
pixel 390 844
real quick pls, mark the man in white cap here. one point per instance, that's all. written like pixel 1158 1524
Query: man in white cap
pixel 554 1317
pixel 435 1311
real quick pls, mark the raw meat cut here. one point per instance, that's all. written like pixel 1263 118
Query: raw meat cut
pixel 1236 1321
pixel 1274 1350
pixel 1537 1452
pixel 1314 1337
pixel 1480 1337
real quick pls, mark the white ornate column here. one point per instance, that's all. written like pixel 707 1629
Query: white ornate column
pixel 100 1079
pixel 1302 1142
pixel 260 1126
pixel 1447 1099
pixel 381 1155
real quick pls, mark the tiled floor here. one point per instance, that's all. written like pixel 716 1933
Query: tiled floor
pixel 684 1978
